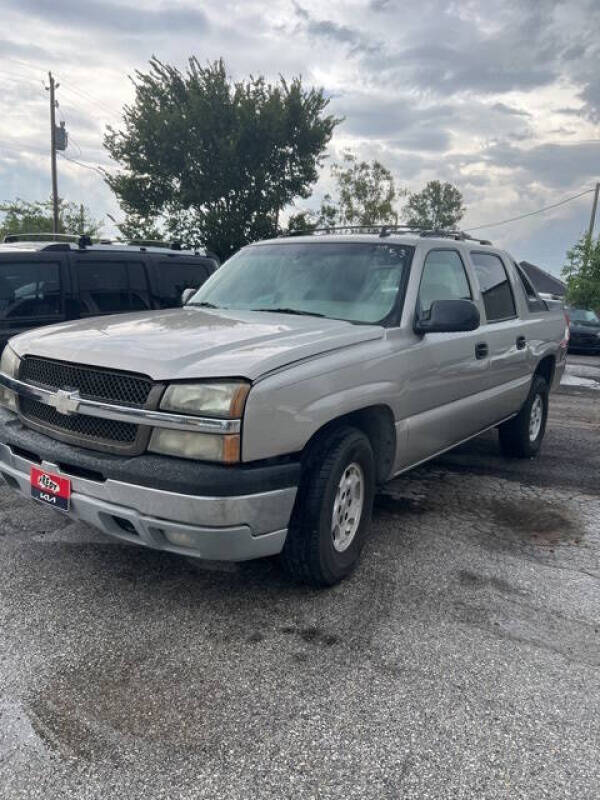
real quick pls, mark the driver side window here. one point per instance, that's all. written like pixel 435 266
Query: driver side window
pixel 444 278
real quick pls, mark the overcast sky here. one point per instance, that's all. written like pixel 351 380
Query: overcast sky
pixel 500 98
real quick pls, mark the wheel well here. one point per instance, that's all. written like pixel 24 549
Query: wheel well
pixel 377 423
pixel 546 369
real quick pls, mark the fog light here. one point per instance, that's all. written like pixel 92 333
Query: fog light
pixel 181 538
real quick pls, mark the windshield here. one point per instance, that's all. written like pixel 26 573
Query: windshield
pixel 584 315
pixel 357 282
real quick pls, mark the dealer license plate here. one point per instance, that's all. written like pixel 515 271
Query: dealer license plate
pixel 51 489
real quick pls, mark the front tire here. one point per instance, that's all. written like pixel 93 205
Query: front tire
pixel 521 436
pixel 333 509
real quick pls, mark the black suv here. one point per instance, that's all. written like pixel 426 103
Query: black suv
pixel 43 282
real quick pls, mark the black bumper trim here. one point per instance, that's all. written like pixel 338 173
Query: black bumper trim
pixel 158 472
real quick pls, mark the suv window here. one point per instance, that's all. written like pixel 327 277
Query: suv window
pixel 176 276
pixel 495 287
pixel 444 278
pixel 108 287
pixel 29 289
pixel 534 303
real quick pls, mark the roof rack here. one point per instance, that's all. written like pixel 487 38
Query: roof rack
pixel 174 245
pixel 42 237
pixel 65 241
pixel 386 230
pixel 82 240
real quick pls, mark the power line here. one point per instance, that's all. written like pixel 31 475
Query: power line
pixel 81 164
pixel 530 213
pixel 89 99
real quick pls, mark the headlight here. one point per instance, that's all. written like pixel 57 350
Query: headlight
pixel 9 365
pixel 200 446
pixel 221 399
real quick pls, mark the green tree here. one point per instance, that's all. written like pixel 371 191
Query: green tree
pixel 366 194
pixel 23 216
pixel 212 161
pixel 438 207
pixel 304 222
pixel 582 273
pixel 135 226
pixel 76 218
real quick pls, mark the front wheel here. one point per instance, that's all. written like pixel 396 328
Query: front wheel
pixel 333 510
pixel 521 436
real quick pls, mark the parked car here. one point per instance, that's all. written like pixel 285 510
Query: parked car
pixel 261 417
pixel 584 326
pixel 44 281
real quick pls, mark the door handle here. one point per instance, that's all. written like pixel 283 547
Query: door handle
pixel 521 342
pixel 481 350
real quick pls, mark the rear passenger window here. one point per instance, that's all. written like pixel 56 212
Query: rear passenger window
pixel 175 276
pixel 495 287
pixel 29 289
pixel 444 278
pixel 110 287
pixel 534 303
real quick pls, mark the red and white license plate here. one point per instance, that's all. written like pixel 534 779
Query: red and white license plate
pixel 54 490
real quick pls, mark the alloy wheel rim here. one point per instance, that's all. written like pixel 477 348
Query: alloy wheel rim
pixel 535 418
pixel 347 507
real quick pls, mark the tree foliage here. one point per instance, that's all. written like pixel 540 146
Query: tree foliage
pixel 366 194
pixel 438 207
pixel 582 273
pixel 215 160
pixel 23 216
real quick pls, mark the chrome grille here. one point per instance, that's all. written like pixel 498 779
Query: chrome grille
pixel 104 385
pixel 93 383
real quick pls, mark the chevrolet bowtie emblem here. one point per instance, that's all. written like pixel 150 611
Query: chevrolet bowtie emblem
pixel 65 402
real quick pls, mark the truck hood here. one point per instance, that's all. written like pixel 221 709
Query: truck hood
pixel 192 342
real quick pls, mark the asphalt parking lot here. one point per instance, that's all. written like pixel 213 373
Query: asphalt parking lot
pixel 460 661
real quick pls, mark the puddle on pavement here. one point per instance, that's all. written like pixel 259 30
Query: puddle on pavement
pixel 537 521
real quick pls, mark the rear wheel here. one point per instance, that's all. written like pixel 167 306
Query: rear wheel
pixel 333 510
pixel 521 436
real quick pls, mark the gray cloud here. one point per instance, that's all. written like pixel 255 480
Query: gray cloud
pixel 380 117
pixel 591 96
pixel 563 165
pixel 334 31
pixel 505 109
pixel 116 17
pixel 29 51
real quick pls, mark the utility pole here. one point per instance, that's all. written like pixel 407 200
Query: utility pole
pixel 51 89
pixel 593 217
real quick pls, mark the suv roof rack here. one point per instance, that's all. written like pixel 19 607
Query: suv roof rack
pixel 82 240
pixel 41 237
pixel 386 230
pixel 65 241
pixel 174 245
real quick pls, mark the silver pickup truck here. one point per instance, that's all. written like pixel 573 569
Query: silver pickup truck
pixel 261 418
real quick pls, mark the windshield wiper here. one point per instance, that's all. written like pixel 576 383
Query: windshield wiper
pixel 298 311
pixel 204 304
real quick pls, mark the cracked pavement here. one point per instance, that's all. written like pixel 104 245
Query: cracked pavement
pixel 461 660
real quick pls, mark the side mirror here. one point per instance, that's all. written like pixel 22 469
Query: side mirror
pixel 186 294
pixel 449 316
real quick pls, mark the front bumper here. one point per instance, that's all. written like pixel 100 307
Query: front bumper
pixel 191 509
